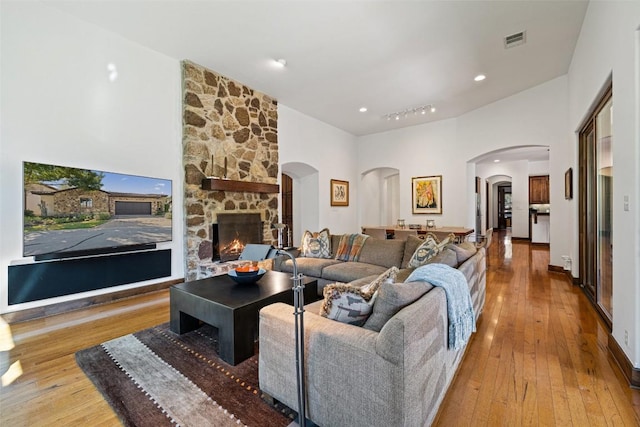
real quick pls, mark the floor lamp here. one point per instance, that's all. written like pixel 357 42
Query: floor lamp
pixel 261 252
pixel 298 312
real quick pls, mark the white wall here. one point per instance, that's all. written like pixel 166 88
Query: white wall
pixel 59 107
pixel 332 152
pixel 424 150
pixel 537 116
pixel 609 44
pixel 539 168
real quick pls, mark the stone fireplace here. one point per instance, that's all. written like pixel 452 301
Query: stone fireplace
pixel 230 132
pixel 232 232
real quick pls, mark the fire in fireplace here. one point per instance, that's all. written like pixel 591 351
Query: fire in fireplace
pixel 232 232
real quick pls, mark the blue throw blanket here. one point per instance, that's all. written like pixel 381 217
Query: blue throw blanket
pixel 462 319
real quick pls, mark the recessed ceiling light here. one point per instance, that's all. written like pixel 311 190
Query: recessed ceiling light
pixel 113 71
pixel 479 77
pixel 363 109
pixel 280 63
pixel 433 109
pixel 496 161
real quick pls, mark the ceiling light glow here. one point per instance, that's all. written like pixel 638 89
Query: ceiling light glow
pixel 280 63
pixel 363 109
pixel 496 161
pixel 113 71
pixel 479 77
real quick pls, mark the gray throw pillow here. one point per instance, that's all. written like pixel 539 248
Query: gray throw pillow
pixel 464 251
pixel 391 298
pixel 446 256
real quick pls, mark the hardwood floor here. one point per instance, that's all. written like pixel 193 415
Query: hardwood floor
pixel 539 356
pixel 52 390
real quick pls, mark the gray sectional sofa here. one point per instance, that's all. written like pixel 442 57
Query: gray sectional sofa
pixel 358 377
pixel 376 256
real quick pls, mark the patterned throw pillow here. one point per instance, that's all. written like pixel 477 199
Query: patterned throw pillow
pixel 316 245
pixel 427 250
pixel 351 304
pixel 350 246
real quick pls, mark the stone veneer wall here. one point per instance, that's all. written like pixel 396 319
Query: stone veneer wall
pixel 224 119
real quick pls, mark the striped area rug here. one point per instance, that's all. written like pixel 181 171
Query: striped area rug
pixel 157 378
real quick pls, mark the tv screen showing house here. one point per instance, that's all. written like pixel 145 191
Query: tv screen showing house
pixel 80 211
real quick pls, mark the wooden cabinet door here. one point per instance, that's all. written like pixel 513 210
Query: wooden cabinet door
pixel 539 189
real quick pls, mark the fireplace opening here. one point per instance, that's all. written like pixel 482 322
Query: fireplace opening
pixel 232 232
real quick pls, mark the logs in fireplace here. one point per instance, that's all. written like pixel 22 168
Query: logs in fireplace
pixel 232 232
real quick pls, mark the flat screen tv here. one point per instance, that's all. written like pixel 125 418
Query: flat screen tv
pixel 71 212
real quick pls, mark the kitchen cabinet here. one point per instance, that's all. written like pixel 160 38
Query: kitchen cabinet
pixel 539 189
pixel 540 229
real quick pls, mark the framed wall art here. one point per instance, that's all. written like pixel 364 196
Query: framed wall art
pixel 339 193
pixel 426 194
pixel 568 184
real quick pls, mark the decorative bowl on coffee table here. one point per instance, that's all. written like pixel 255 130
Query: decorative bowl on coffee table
pixel 246 277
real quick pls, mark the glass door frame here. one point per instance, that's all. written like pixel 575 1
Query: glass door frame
pixel 588 207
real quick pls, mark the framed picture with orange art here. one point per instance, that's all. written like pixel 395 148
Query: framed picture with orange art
pixel 339 193
pixel 426 194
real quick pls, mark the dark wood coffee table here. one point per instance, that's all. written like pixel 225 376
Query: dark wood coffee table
pixel 232 308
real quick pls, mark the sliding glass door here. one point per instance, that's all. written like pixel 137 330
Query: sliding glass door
pixel 596 204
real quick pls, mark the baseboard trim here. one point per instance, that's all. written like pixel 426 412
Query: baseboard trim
pixel 558 269
pixel 540 244
pixel 555 268
pixel 64 307
pixel 631 373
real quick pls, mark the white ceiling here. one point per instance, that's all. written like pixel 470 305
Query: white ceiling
pixel 342 55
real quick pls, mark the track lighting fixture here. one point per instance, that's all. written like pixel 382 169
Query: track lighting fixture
pixel 403 114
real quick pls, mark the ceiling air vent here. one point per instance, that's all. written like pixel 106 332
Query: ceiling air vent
pixel 515 39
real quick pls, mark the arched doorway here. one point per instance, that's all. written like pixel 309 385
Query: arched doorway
pixel 380 196
pixel 498 186
pixel 304 190
pixel 286 213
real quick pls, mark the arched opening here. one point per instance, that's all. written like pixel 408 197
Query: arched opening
pixel 304 209
pixel 380 196
pixel 501 169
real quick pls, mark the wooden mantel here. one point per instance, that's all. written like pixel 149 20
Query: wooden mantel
pixel 217 184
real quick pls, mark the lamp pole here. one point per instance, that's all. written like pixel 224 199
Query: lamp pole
pixel 298 312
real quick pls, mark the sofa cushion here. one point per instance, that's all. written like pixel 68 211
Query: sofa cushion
pixel 350 271
pixel 391 298
pixel 335 241
pixel 427 250
pixel 464 250
pixel 308 266
pixel 316 245
pixel 350 247
pixel 445 256
pixel 469 268
pixel 386 253
pixel 410 247
pixel 349 304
